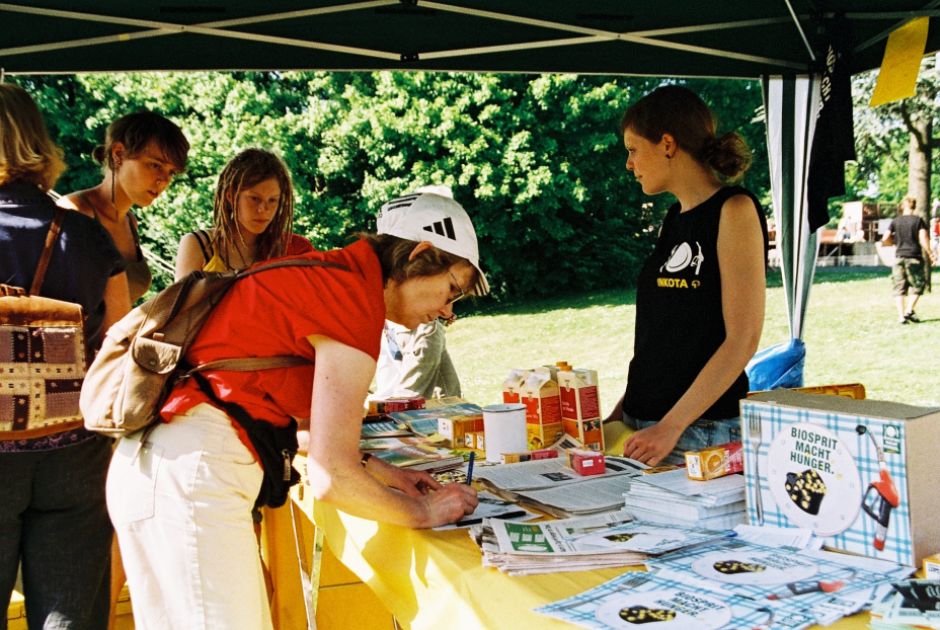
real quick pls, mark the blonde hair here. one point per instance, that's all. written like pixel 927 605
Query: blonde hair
pixel 26 151
pixel 909 203
pixel 248 168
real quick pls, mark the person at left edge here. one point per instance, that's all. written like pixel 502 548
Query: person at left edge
pixel 53 518
pixel 181 502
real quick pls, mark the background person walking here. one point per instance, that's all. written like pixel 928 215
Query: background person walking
pixel 909 233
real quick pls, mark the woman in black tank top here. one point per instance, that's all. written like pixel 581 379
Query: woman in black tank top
pixel 141 154
pixel 700 295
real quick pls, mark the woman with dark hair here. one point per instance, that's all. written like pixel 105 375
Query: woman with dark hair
pixel 141 154
pixel 54 519
pixel 181 496
pixel 252 214
pixel 700 294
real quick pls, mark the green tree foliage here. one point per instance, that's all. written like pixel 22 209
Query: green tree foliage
pixel 538 161
pixel 883 137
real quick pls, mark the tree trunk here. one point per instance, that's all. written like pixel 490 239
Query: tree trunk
pixel 919 157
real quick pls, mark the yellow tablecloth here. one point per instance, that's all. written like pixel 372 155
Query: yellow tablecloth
pixel 436 580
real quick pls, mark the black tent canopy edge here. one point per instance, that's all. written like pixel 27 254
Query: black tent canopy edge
pixel 688 38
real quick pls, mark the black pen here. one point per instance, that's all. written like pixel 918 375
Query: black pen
pixel 474 521
pixel 473 456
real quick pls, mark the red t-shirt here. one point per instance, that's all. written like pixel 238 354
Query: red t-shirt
pixel 298 245
pixel 273 313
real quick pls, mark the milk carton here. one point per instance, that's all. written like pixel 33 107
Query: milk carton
pixel 543 408
pixel 580 407
pixel 513 385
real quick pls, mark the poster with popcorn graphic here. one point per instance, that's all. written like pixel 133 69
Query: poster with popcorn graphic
pixel 652 602
pixel 860 474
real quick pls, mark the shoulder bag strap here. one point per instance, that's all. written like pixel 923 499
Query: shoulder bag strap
pixel 51 237
pixel 250 364
pixel 202 237
pixel 291 262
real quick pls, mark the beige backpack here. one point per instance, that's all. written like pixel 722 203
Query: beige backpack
pixel 142 356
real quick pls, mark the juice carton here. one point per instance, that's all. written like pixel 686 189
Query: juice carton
pixel 513 385
pixel 470 439
pixel 580 407
pixel 543 408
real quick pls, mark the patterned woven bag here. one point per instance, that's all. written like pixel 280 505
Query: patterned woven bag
pixel 42 356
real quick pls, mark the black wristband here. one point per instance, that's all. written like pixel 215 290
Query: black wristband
pixel 365 459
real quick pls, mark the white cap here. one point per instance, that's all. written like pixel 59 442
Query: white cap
pixel 437 219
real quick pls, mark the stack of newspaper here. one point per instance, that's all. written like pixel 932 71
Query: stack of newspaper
pixel 583 543
pixel 550 486
pixel 671 497
pixel 910 604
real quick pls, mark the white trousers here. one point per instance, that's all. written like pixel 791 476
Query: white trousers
pixel 181 506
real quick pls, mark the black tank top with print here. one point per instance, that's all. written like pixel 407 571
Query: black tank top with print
pixel 679 319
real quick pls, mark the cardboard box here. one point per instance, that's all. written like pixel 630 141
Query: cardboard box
pixel 513 385
pixel 542 409
pixel 528 456
pixel 862 474
pixel 932 567
pixel 586 462
pixel 470 439
pixel 580 407
pixel 454 429
pixel 715 461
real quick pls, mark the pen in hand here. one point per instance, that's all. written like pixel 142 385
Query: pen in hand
pixel 473 456
pixel 479 519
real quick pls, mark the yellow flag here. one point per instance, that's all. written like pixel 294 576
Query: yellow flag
pixel 903 52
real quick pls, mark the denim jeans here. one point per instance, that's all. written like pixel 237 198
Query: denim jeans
pixel 700 434
pixel 53 519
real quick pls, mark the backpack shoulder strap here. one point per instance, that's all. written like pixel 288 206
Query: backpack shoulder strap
pixel 251 364
pixel 291 262
pixel 51 237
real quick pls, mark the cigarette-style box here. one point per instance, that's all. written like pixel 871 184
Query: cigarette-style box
pixel 932 567
pixel 586 462
pixel 454 429
pixel 714 461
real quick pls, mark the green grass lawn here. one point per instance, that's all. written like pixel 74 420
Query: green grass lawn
pixel 851 336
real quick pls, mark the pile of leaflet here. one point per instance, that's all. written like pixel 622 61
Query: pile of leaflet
pixel 910 604
pixel 550 486
pixel 583 543
pixel 734 583
pixel 671 497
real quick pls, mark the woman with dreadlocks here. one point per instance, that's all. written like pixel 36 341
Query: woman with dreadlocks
pixel 253 213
